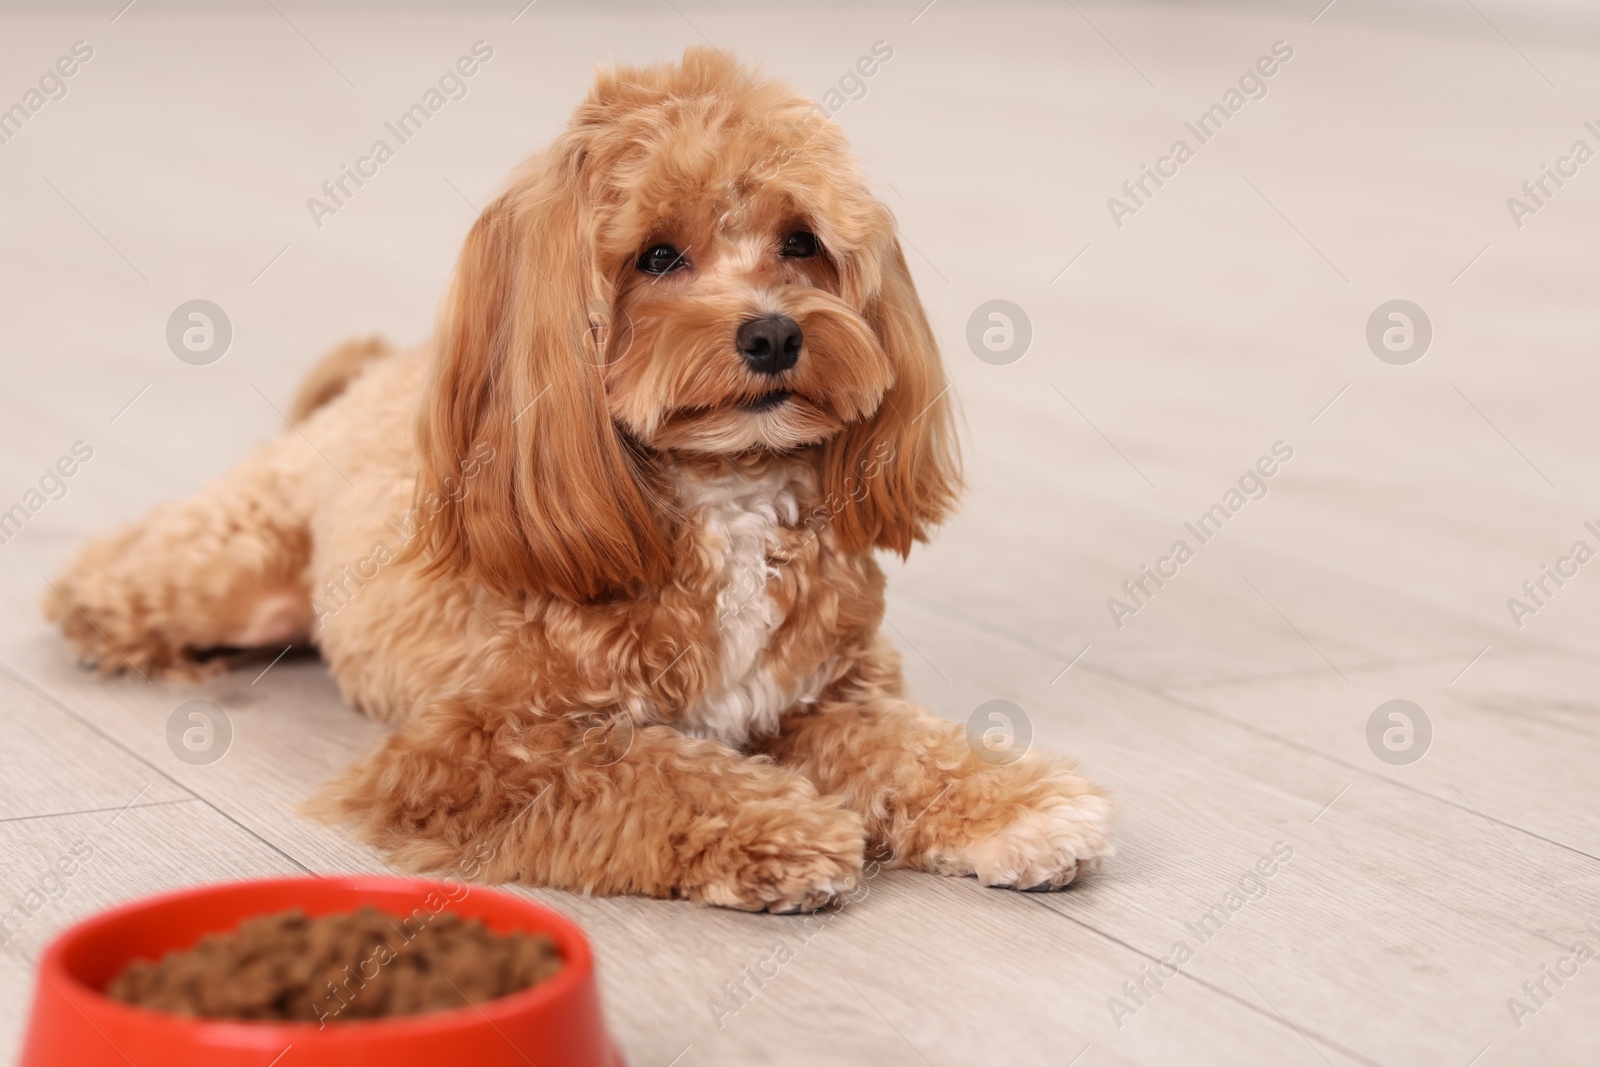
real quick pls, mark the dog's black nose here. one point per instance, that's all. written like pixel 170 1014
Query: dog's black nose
pixel 770 344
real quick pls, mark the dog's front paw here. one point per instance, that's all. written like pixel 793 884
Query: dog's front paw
pixel 1047 847
pixel 780 857
pixel 112 633
pixel 1036 841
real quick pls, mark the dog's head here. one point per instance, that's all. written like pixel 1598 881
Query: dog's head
pixel 694 266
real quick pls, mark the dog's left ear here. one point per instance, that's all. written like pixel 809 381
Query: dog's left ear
pixel 889 479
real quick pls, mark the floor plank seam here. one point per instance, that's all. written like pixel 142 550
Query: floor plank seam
pixel 1179 700
pixel 97 811
pixel 1369 667
pixel 1260 547
pixel 46 695
pixel 946 611
pixel 1274 1019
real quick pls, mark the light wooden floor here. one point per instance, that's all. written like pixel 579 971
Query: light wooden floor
pixel 1167 355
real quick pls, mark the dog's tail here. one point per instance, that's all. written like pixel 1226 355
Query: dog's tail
pixel 334 372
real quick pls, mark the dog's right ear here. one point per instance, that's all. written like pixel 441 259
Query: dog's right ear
pixel 526 485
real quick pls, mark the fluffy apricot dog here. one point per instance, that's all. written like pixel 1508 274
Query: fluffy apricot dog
pixel 602 551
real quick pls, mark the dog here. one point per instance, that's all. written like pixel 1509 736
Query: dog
pixel 602 551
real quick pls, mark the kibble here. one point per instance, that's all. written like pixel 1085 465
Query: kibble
pixel 358 965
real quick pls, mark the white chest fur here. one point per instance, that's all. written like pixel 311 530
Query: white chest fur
pixel 743 517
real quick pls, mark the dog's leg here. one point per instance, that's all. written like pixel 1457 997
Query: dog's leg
pixel 597 809
pixel 936 805
pixel 224 567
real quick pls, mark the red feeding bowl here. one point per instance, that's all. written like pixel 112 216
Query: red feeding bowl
pixel 554 1024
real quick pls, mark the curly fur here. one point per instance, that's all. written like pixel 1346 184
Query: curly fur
pixel 624 623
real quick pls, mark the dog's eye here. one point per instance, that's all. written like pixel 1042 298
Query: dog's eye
pixel 800 244
pixel 661 259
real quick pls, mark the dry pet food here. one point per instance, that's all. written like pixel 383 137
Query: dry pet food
pixel 359 965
